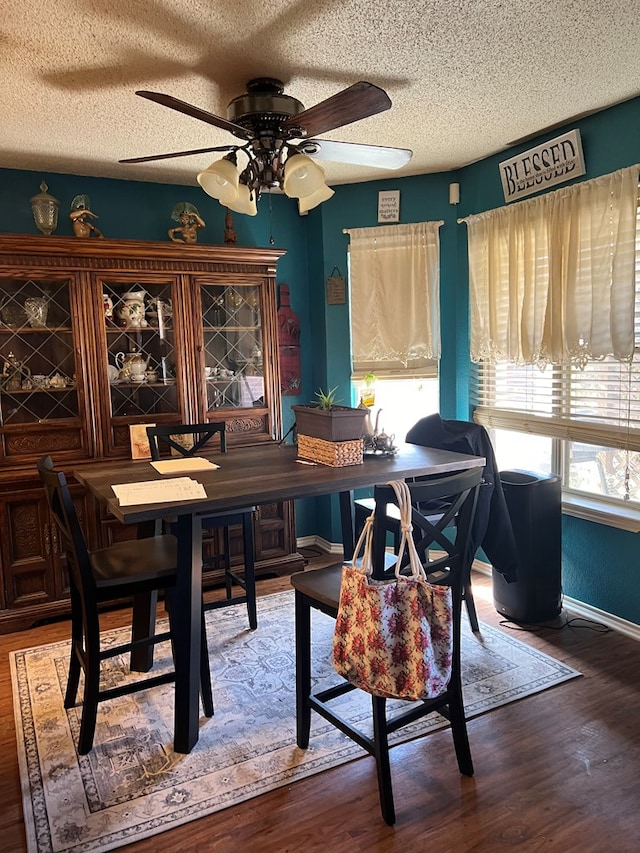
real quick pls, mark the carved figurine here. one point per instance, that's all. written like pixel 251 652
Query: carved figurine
pixel 230 236
pixel 78 216
pixel 190 221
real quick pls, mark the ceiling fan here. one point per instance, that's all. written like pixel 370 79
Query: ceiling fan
pixel 278 142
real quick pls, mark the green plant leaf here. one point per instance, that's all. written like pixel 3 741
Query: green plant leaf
pixel 327 400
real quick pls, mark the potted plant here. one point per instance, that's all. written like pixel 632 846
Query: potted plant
pixel 326 419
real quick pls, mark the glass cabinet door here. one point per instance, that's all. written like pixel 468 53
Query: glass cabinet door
pixel 140 361
pixel 39 383
pixel 232 346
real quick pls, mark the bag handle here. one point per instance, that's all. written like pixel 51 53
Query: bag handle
pixel 365 540
pixel 406 529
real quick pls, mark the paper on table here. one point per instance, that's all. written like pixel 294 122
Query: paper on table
pixel 159 491
pixel 186 463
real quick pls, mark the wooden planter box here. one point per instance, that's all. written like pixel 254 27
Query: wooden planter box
pixel 340 424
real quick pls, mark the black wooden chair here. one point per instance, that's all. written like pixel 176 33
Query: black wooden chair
pixel 132 569
pixel 430 432
pixel 188 440
pixel 320 590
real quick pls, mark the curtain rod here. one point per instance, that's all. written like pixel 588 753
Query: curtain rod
pixel 437 222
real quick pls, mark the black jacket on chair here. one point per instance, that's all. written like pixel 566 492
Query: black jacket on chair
pixel 492 530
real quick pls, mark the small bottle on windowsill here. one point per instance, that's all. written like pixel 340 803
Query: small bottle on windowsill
pixel 368 390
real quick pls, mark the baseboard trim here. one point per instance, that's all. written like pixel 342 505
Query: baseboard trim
pixel 319 542
pixel 577 608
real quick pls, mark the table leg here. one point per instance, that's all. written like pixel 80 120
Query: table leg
pixel 346 523
pixel 186 619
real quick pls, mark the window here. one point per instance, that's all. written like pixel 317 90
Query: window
pixel 401 402
pixel 394 275
pixel 579 419
pixel 583 423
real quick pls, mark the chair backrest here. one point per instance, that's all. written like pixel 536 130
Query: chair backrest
pixel 458 496
pixel 164 439
pixel 452 564
pixel 63 510
pixel 492 529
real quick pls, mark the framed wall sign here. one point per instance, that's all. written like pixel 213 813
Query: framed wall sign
pixel 389 206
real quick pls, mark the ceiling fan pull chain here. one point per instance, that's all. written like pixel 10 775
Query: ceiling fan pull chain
pixel 271 240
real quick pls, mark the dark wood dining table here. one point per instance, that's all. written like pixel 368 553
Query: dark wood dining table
pixel 260 474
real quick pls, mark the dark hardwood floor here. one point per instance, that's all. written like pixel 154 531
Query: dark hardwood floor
pixel 559 771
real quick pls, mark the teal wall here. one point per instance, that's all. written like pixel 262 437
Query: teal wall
pixel 600 564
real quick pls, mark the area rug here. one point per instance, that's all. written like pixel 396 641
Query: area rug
pixel 132 785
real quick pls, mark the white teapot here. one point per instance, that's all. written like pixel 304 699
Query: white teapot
pixel 132 365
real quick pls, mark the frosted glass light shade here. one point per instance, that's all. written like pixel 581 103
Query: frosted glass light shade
pixel 309 202
pixel 245 202
pixel 220 180
pixel 302 176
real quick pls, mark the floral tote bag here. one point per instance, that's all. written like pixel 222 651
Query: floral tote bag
pixel 393 638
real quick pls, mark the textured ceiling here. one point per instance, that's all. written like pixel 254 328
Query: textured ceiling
pixel 466 77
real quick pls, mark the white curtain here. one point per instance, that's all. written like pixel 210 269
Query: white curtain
pixel 395 297
pixel 552 279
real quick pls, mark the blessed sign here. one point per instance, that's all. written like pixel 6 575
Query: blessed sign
pixel 551 163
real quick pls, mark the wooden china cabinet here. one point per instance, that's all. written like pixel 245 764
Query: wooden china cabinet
pixel 97 335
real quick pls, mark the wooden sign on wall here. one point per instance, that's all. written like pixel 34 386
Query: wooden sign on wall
pixel 551 163
pixel 336 289
pixel 289 346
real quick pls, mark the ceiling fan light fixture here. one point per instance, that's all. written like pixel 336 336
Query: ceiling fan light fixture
pixel 277 139
pixel 220 179
pixel 310 201
pixel 302 177
pixel 245 201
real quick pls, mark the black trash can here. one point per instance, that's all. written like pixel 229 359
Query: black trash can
pixel 534 502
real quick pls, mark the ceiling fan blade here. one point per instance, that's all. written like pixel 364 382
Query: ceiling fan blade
pixel 353 104
pixel 177 154
pixel 196 112
pixel 359 155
